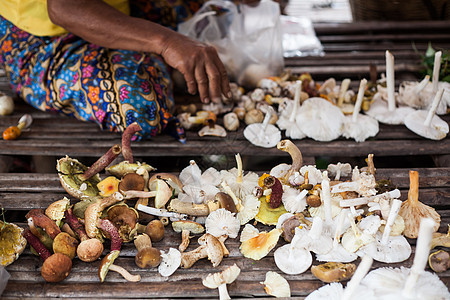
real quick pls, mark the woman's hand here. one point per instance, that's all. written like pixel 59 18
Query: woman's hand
pixel 201 66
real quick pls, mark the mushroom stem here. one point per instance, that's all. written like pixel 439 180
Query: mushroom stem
pixel 75 224
pixel 125 274
pixel 390 80
pixel 316 228
pixel 337 232
pixel 297 158
pixel 364 200
pixel 437 98
pixel 344 87
pixel 223 292
pixel 189 258
pixel 326 197
pixel 184 240
pixel 239 168
pixel 413 193
pixel 436 68
pixel 101 163
pixel 160 212
pixel 359 99
pixel 108 227
pixel 41 220
pixel 195 175
pixel 361 271
pixel 421 256
pixel 126 141
pixel 267 117
pixel 370 165
pixel 138 194
pixel 37 245
pixel 419 88
pixel 395 207
pixel 298 91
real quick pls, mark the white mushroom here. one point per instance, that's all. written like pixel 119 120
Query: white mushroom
pixel 414 283
pixel 294 200
pixel 292 259
pixel 357 126
pixel 409 93
pixel 339 170
pixel 389 249
pixel 240 185
pixel 314 174
pixel 313 239
pixel 222 222
pixel 276 285
pixel 362 183
pixel 263 134
pixel 231 121
pixel 320 120
pixel 335 290
pixel 366 200
pixel 220 280
pixel 287 121
pixel 248 232
pixel 384 112
pixel 338 253
pixel 212 129
pixel 426 123
pixel 6 104
pixel 342 91
pixel 257 94
pixel 170 262
pixel 354 238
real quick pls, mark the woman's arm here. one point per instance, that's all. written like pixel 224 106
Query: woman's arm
pixel 101 24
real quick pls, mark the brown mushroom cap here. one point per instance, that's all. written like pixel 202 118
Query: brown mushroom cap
pixel 65 244
pixel 132 182
pixel 226 201
pixel 56 268
pixel 90 250
pixel 288 228
pixel 155 230
pixel 106 262
pixel 439 261
pixel 333 271
pixel 124 219
pixel 148 257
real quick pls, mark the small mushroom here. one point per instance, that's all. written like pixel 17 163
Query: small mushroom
pixel 291 258
pixel 210 247
pixel 260 245
pixel 55 210
pixel 222 222
pixel 6 104
pixel 147 256
pixel 221 279
pixel 342 90
pixel 384 112
pixel 441 239
pixel 12 243
pixel 170 262
pixel 107 264
pixel 125 167
pixel 287 119
pixel 226 202
pixel 263 134
pixel 439 261
pixel 231 121
pixel 131 182
pixel 155 230
pixel 56 268
pixel 285 171
pixel 13 132
pixel 339 170
pixel 276 285
pixel 171 179
pixel 65 244
pixel 125 219
pixel 358 126
pixel 362 183
pixel 426 123
pixel 108 186
pixel 333 271
pixel 186 227
pixel 212 129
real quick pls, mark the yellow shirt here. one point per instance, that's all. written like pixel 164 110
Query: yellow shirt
pixel 31 15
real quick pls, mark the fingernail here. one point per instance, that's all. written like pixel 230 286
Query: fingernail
pixel 229 94
pixel 205 100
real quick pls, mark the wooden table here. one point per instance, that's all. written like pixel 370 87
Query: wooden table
pixel 22 192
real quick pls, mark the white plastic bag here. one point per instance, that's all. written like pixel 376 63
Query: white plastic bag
pixel 248 39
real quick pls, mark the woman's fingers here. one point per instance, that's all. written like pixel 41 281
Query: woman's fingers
pixel 202 82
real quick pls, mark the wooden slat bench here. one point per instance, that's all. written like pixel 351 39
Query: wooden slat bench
pixel 22 192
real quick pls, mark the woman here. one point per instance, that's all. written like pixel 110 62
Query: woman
pixel 107 61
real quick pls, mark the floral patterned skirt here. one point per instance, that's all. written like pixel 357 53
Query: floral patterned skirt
pixel 111 87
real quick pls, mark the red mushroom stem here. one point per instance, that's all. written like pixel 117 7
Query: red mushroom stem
pixel 75 224
pixel 108 227
pixel 41 220
pixel 102 162
pixel 126 141
pixel 34 242
pixel 277 191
